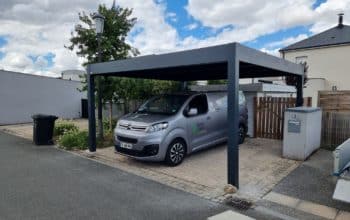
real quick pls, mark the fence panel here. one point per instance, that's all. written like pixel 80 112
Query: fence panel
pixel 335 117
pixel 269 115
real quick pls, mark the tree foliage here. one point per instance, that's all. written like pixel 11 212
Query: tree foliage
pixel 118 23
pixel 117 26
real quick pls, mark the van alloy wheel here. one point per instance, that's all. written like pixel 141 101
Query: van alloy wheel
pixel 241 134
pixel 176 153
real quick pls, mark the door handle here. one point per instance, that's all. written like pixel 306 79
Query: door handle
pixel 208 118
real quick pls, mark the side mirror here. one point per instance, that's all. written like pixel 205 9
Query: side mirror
pixel 192 112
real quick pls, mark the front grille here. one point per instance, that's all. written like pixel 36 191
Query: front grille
pixel 127 140
pixel 138 128
pixel 132 127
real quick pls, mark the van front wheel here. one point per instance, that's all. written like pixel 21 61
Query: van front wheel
pixel 176 152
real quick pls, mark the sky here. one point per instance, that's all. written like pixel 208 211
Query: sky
pixel 33 32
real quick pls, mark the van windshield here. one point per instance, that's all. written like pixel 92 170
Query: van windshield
pixel 164 104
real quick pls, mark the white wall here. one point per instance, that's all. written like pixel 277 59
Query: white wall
pixel 312 88
pixel 330 63
pixel 22 95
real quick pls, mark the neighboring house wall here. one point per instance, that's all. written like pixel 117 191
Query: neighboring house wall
pixel 75 75
pixel 312 87
pixel 330 63
pixel 22 95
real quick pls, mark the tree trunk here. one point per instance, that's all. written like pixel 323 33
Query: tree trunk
pixel 126 106
pixel 111 115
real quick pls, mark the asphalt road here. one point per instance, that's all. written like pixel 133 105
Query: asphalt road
pixel 313 181
pixel 41 182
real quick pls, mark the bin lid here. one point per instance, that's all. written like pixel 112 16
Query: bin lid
pixel 303 109
pixel 42 116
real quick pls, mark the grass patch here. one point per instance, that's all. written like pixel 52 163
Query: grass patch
pixel 74 140
pixel 62 127
pixel 69 137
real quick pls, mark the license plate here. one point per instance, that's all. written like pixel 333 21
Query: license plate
pixel 125 145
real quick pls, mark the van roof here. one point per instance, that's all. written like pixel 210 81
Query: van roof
pixel 194 92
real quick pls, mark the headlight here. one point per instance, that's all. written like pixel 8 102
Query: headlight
pixel 157 127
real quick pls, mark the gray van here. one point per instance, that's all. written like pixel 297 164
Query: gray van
pixel 169 127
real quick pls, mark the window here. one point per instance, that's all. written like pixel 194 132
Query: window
pixel 301 59
pixel 200 103
pixel 165 104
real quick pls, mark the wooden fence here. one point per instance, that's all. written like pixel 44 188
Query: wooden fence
pixel 269 115
pixel 335 129
pixel 335 117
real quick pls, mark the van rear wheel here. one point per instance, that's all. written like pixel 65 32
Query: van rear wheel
pixel 176 152
pixel 241 134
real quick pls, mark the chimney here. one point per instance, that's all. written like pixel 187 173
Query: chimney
pixel 340 24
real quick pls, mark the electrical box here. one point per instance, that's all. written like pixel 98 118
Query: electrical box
pixel 302 132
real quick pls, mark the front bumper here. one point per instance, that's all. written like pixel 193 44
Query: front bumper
pixel 147 151
pixel 145 146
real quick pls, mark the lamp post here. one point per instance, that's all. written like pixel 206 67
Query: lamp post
pixel 99 25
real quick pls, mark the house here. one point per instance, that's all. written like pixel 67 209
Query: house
pixel 75 75
pixel 22 95
pixel 327 57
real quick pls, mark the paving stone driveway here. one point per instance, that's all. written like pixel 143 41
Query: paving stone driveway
pixel 203 173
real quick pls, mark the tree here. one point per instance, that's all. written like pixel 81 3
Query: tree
pixel 118 23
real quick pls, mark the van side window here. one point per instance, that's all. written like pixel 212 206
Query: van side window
pixel 199 102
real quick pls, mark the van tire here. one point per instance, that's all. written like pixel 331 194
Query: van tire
pixel 176 152
pixel 241 134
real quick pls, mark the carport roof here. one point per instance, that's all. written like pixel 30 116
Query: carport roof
pixel 199 64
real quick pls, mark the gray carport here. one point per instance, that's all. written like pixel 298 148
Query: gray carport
pixel 230 61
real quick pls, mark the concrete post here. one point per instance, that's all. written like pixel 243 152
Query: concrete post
pixel 233 120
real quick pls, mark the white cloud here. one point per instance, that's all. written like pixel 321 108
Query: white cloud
pixel 16 61
pixel 191 26
pixel 286 41
pixel 263 16
pixel 251 19
pixel 326 14
pixel 274 47
pixel 273 52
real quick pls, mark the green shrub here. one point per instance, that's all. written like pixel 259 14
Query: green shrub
pixel 74 140
pixel 62 127
pixel 106 124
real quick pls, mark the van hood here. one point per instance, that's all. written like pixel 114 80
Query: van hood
pixel 144 118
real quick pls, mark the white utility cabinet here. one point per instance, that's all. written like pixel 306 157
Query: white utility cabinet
pixel 302 132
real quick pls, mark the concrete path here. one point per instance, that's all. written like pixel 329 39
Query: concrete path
pixel 309 189
pixel 46 183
